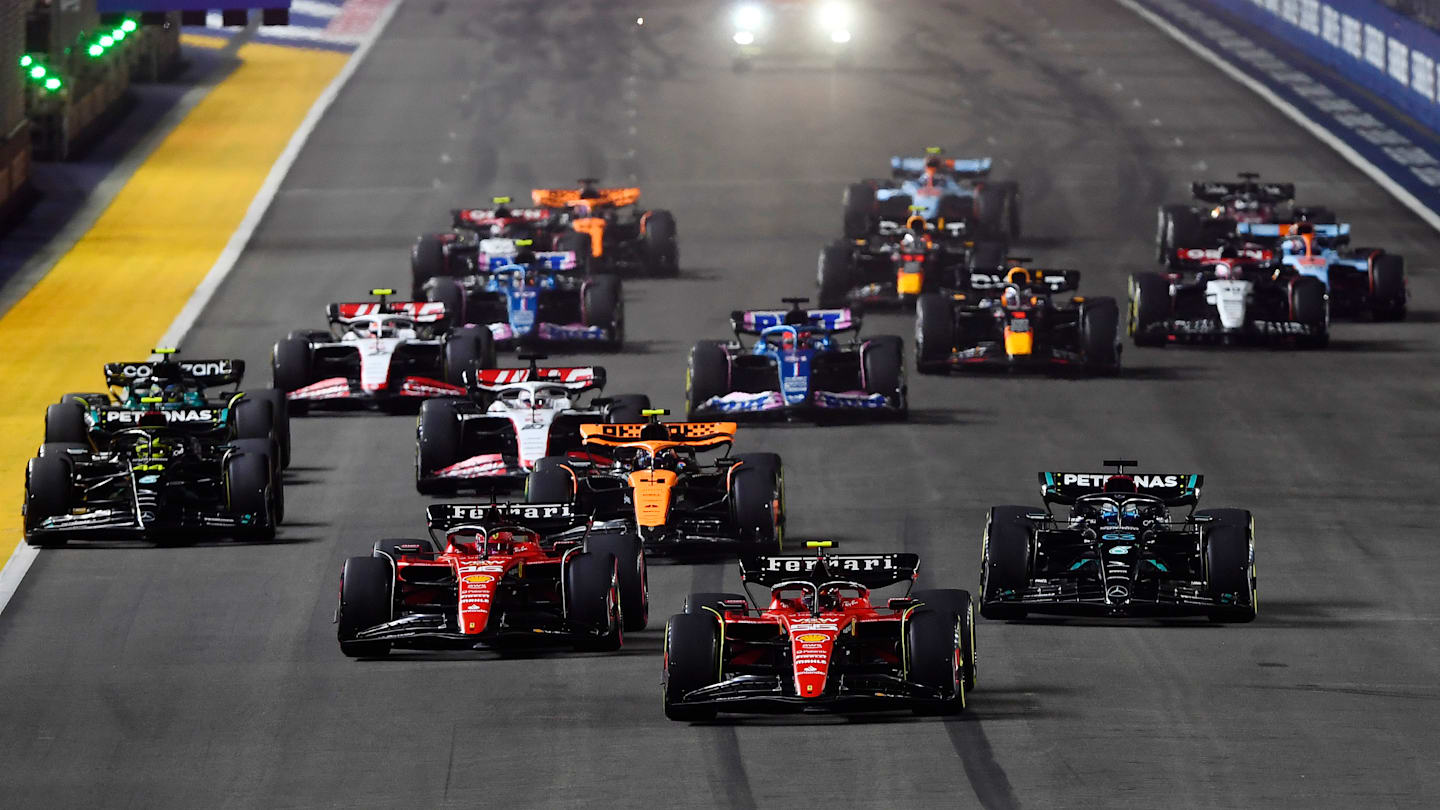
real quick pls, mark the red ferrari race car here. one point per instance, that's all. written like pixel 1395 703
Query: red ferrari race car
pixel 819 641
pixel 508 575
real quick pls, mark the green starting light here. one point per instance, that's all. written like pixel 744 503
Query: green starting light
pixel 27 60
pixel 37 72
pixel 53 83
pixel 118 34
pixel 106 41
pixel 96 50
pixel 129 26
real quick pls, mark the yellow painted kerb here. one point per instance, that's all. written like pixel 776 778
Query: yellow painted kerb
pixel 117 290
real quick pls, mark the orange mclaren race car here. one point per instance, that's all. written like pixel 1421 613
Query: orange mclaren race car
pixel 646 478
pixel 620 235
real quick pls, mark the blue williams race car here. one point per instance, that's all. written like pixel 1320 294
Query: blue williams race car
pixel 529 298
pixel 799 365
pixel 942 190
pixel 1359 280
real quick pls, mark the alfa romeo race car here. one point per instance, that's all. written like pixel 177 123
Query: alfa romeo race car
pixel 181 390
pixel 799 366
pixel 457 252
pixel 944 190
pixel 620 236
pixel 172 474
pixel 645 478
pixel 496 575
pixel 766 29
pixel 819 639
pixel 387 353
pixel 513 418
pixel 1013 322
pixel 527 298
pixel 1119 551
pixel 1235 298
pixel 1362 280
pixel 1224 205
pixel 899 261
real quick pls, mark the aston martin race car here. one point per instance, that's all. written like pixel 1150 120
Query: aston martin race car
pixel 646 478
pixel 819 639
pixel 1015 322
pixel 494 576
pixel 513 418
pixel 798 366
pixel 1235 298
pixel 620 236
pixel 1121 549
pixel 182 391
pixel 387 353
pixel 946 190
pixel 779 29
pixel 900 260
pixel 527 298
pixel 1220 206
pixel 1361 280
pixel 172 474
pixel 457 252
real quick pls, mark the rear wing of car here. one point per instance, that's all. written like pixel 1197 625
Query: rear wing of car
pixel 541 517
pixel 566 197
pixel 204 373
pixel 869 570
pixel 471 218
pixel 417 311
pixel 573 378
pixel 699 435
pixel 1265 192
pixel 185 419
pixel 1057 281
pixel 1275 230
pixel 906 167
pixel 1175 489
pixel 755 321
pixel 544 260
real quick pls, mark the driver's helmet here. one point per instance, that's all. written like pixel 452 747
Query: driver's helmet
pixel 379 328
pixel 588 191
pixel 654 431
pixel 501 541
pixel 668 458
pixel 165 384
pixel 797 317
pixel 1011 296
pixel 932 168
pixel 829 599
pixel 582 211
pixel 1246 204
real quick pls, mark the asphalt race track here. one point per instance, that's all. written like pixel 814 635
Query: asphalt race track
pixel 210 676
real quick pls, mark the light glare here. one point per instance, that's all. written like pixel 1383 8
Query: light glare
pixel 744 38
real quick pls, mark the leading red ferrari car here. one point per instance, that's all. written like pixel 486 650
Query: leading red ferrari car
pixel 819 640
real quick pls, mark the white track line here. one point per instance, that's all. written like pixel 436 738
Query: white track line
pixel 1292 112
pixel 24 555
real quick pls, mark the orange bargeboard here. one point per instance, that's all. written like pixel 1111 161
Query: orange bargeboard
pixel 114 294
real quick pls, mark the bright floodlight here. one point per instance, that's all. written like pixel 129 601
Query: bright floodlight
pixel 749 17
pixel 744 38
pixel 835 16
pixel 840 36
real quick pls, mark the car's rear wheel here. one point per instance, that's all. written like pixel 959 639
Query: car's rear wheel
pixel 1005 562
pixel 1387 288
pixel 292 367
pixel 692 661
pixel 550 482
pixel 279 417
pixel 449 294
pixel 1229 566
pixel 602 307
pixel 757 501
pixel 934 658
pixel 1099 336
pixel 962 605
pixel 832 277
pixel 629 554
pixel 934 334
pixel 882 359
pixel 707 375
pixel 627 409
pixel 1178 226
pixel 427 261
pixel 592 601
pixel 366 601
pixel 468 347
pixel 859 202
pixel 437 442
pixel 1149 305
pixel 662 256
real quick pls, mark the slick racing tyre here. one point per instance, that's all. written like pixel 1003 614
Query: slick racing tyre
pixel 1177 226
pixel 292 367
pixel 1310 305
pixel 933 658
pixel 958 602
pixel 757 501
pixel 629 554
pixel 896 208
pixel 859 203
pixel 65 422
pixel 706 376
pixel 1005 561
pixel 581 245
pixel 48 493
pixel 627 409
pixel 279 418
pixel 1229 566
pixel 832 276
pixel 1099 336
pixel 592 601
pixel 882 361
pixel 662 256
pixel 1387 288
pixel 449 294
pixel 428 260
pixel 987 257
pixel 250 489
pixel 601 306
pixel 270 449
pixel 692 661
pixel 468 347
pixel 699 602
pixel 366 585
pixel 1149 306
pixel 550 482
pixel 993 210
pixel 934 334
pixel 437 443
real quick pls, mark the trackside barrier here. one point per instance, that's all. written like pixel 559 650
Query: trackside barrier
pixel 1389 54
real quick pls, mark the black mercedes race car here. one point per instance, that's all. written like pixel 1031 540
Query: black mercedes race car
pixel 1119 550
pixel 1014 322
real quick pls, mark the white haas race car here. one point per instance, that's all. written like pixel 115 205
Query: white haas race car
pixel 387 353
pixel 512 418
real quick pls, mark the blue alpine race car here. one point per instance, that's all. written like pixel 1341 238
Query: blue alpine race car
pixel 531 298
pixel 1359 280
pixel 800 365
pixel 942 190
